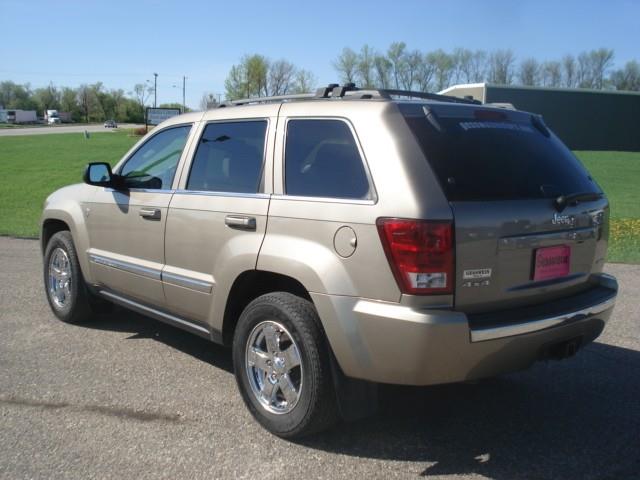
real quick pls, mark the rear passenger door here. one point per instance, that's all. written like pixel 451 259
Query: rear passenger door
pixel 217 217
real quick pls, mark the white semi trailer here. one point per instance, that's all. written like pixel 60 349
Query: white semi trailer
pixel 22 116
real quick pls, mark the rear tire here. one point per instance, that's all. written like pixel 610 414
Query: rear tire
pixel 67 293
pixel 282 367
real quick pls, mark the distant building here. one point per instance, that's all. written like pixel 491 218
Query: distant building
pixel 583 119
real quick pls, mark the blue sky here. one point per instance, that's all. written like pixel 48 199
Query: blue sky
pixel 122 43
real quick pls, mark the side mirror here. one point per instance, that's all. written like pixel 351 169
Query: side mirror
pixel 99 174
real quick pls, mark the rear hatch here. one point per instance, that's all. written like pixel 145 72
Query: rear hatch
pixel 530 222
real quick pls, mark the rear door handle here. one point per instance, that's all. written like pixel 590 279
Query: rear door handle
pixel 241 222
pixel 150 213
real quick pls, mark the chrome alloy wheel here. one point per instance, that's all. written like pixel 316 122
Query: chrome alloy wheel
pixel 59 278
pixel 274 367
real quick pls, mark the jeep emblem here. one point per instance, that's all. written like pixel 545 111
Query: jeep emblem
pixel 558 219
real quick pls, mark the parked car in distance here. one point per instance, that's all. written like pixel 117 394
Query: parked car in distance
pixel 340 240
pixel 110 124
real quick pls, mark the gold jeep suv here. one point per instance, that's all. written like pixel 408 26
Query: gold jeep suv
pixel 342 239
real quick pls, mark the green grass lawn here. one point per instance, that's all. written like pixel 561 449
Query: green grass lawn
pixel 618 173
pixel 33 166
pixel 36 165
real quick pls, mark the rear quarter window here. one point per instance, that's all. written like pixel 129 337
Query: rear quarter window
pixel 322 160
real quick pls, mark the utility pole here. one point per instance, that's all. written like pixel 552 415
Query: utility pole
pixel 184 87
pixel 155 90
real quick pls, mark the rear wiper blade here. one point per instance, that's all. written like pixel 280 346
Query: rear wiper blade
pixel 574 198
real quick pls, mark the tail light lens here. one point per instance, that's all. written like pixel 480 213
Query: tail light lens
pixel 420 254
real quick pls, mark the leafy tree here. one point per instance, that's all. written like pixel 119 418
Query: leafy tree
pixel 47 98
pixel 627 78
pixel 305 81
pixel 382 67
pixel 501 67
pixel 443 68
pixel 552 74
pixel 174 105
pixel 397 57
pixel 236 85
pixel 529 73
pixel 365 66
pixel 412 63
pixel 569 73
pixel 281 77
pixel 347 65
pixel 141 93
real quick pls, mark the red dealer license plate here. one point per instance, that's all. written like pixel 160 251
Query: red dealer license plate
pixel 552 262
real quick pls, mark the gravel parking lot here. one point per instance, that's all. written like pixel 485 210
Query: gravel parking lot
pixel 128 397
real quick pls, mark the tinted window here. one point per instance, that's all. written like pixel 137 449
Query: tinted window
pixel 322 160
pixel 498 158
pixel 154 164
pixel 229 158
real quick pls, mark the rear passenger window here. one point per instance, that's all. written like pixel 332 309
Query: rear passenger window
pixel 229 158
pixel 322 160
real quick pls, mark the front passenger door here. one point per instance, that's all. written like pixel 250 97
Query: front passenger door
pixel 126 226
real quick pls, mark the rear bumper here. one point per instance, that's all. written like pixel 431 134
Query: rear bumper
pixel 393 343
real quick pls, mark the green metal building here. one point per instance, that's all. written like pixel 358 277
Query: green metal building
pixel 583 119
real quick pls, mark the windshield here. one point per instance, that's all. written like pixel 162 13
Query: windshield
pixel 481 154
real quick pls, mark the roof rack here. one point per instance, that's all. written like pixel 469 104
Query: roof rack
pixel 333 90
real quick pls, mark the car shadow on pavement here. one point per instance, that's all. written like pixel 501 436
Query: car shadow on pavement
pixel 575 419
pixel 122 320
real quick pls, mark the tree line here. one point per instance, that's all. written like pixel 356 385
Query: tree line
pixel 86 103
pixel 258 76
pixel 402 68
pixel 398 67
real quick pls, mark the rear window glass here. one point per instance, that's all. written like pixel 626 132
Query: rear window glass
pixel 497 158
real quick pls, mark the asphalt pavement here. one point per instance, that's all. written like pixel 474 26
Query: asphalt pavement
pixel 127 397
pixel 47 129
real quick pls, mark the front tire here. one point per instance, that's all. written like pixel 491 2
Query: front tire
pixel 281 364
pixel 66 291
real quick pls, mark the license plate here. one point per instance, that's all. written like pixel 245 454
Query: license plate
pixel 552 262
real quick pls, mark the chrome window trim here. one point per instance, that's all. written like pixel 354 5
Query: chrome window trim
pixel 300 198
pixel 129 267
pixel 143 190
pixel 206 123
pixel 187 282
pixel 373 193
pixel 222 194
pixel 484 334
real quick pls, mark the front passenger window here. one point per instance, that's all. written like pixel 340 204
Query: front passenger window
pixel 154 164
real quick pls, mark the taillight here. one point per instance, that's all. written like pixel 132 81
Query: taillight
pixel 420 254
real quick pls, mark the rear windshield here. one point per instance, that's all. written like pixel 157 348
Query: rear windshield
pixel 481 154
